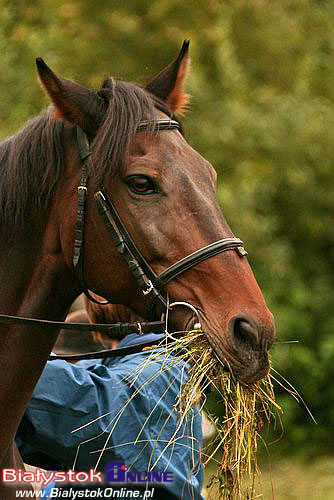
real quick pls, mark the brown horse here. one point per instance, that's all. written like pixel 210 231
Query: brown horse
pixel 164 192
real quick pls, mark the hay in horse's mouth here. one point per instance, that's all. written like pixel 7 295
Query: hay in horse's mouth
pixel 248 369
pixel 247 408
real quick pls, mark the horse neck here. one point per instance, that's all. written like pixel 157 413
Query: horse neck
pixel 32 275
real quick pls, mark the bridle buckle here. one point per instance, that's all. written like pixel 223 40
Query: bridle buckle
pixel 241 251
pixel 139 327
pixel 149 288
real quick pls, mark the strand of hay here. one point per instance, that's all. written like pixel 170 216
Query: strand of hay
pixel 246 410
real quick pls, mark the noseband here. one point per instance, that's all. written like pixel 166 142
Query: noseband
pixel 151 284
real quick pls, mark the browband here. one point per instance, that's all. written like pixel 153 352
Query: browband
pixel 158 125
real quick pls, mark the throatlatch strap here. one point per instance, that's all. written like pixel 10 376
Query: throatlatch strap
pixel 84 152
pixel 80 222
pixel 78 258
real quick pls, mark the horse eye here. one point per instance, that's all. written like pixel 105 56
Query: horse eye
pixel 140 184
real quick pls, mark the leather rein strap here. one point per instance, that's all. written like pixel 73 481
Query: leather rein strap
pixel 115 330
pixel 114 353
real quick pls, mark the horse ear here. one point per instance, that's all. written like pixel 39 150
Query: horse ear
pixel 72 101
pixel 168 85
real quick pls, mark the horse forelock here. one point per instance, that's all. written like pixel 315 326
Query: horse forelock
pixel 127 105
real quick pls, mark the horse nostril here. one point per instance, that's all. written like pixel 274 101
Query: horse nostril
pixel 245 335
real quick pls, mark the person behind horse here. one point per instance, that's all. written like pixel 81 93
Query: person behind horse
pixel 121 409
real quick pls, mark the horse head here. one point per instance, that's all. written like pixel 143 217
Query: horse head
pixel 164 192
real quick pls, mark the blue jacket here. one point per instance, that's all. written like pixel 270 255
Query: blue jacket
pixel 121 409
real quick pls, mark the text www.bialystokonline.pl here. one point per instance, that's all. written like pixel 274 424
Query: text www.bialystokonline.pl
pixel 96 493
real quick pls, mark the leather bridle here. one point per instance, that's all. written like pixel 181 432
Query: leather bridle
pixel 148 281
pixel 151 284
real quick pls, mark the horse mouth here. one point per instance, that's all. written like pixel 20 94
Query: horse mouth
pixel 248 365
pixel 257 368
pixel 242 349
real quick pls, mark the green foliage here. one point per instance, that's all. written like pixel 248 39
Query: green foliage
pixel 262 112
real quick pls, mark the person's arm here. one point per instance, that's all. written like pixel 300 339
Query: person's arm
pixel 66 398
pixel 140 426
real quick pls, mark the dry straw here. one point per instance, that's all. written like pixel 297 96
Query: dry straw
pixel 246 409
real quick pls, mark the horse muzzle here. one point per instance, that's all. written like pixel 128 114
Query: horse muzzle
pixel 242 345
pixel 244 349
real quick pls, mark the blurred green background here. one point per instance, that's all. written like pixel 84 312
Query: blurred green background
pixel 262 111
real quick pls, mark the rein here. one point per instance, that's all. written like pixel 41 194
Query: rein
pixel 114 330
pixel 147 280
pixel 112 353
